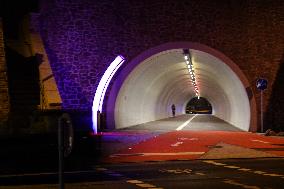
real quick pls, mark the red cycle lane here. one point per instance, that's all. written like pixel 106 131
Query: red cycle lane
pixel 190 145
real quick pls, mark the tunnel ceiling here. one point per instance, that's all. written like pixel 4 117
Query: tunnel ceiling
pixel 163 79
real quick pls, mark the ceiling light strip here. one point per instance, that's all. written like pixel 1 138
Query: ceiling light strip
pixel 191 70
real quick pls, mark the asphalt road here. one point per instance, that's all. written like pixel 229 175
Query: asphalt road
pixel 200 122
pixel 234 173
pixel 32 162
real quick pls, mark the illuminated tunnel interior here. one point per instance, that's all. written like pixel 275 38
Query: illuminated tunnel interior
pixel 162 79
pixel 198 106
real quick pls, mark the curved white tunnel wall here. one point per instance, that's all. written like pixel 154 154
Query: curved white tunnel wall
pixel 162 79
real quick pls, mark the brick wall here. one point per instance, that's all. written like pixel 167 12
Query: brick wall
pixel 4 100
pixel 82 37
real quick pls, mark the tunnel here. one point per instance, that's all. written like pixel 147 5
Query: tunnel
pixel 198 105
pixel 145 89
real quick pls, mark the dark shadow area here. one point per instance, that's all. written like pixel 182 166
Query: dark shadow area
pixel 274 118
pixel 24 89
pixel 22 67
pixel 23 78
pixel 198 106
pixel 38 152
pixel 15 7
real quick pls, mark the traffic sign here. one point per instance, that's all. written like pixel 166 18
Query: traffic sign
pixel 261 84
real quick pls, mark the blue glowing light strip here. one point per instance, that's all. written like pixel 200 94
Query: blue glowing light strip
pixel 102 87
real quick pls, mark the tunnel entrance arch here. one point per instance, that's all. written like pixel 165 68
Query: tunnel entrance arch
pixel 151 82
pixel 198 106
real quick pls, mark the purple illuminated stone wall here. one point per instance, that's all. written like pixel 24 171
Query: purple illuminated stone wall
pixel 83 36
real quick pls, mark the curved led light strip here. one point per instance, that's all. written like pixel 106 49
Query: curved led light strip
pixel 101 89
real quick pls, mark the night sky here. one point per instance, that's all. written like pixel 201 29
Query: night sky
pixel 16 7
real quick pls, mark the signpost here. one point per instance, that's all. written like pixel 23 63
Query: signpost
pixel 261 85
pixel 65 144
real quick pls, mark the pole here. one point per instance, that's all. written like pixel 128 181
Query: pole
pixel 261 110
pixel 60 154
pixel 99 120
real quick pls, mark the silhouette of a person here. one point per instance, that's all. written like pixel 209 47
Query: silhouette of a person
pixel 173 110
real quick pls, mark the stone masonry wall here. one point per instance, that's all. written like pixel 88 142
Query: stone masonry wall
pixel 4 99
pixel 83 36
pixel 50 98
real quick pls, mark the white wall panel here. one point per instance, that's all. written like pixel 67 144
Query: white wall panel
pixel 162 79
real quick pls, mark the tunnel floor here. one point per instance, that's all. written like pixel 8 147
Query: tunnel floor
pixel 124 138
pixel 194 122
pixel 186 137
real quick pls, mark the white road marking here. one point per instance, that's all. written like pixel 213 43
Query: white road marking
pixel 260 141
pixel 158 154
pixel 244 169
pixel 185 123
pixel 176 171
pixel 232 167
pixel 142 184
pixel 259 172
pixel 232 182
pixel 134 181
pixel 187 139
pixel 176 144
pixel 193 139
pixel 146 185
pixel 202 174
pixel 173 154
pixel 214 163
pixel 273 175
pixel 183 138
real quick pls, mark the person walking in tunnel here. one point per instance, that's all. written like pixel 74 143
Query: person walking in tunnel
pixel 173 110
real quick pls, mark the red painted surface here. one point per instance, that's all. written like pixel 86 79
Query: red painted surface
pixel 195 141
